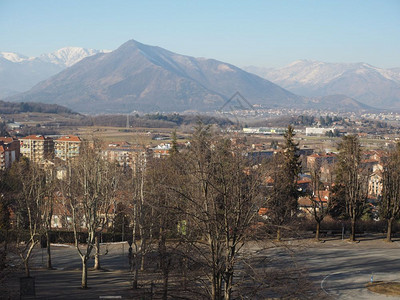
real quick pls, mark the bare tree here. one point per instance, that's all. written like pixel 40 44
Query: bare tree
pixel 139 215
pixel 30 183
pixel 47 211
pixel 89 187
pixel 161 175
pixel 4 220
pixel 351 179
pixel 389 207
pixel 218 200
pixel 319 205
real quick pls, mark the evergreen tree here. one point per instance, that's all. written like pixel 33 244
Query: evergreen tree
pixel 285 168
pixel 174 144
pixel 3 129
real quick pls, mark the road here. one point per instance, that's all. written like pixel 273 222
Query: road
pixel 337 269
pixel 342 269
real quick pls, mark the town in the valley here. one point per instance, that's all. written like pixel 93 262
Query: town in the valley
pixel 141 154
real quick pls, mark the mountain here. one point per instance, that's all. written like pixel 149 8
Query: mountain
pixel 138 77
pixel 21 107
pixel 368 84
pixel 69 56
pixel 19 73
pixel 339 103
pixel 13 57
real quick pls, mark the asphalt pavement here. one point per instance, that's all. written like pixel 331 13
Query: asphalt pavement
pixel 337 268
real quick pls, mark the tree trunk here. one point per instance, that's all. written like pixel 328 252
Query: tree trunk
pixel 389 230
pixel 164 263
pixel 165 279
pixel 135 266
pixel 3 257
pixel 142 252
pixel 353 230
pixel 317 231
pixel 135 274
pixel 216 288
pixel 26 265
pixel 278 235
pixel 185 267
pixel 97 254
pixel 162 248
pixel 228 284
pixel 49 266
pixel 84 273
pixel 219 287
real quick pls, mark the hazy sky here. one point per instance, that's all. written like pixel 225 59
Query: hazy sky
pixel 247 32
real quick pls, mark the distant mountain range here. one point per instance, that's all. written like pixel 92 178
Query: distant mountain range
pixel 19 73
pixel 138 77
pixel 370 85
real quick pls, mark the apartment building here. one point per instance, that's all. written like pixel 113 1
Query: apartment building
pixel 9 151
pixel 120 152
pixel 37 147
pixel 318 160
pixel 125 154
pixel 67 147
pixel 161 150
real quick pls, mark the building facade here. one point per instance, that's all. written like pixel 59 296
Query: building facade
pixel 37 147
pixel 9 151
pixel 67 147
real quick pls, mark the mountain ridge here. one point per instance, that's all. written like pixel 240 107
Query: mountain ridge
pixel 19 73
pixel 368 84
pixel 148 78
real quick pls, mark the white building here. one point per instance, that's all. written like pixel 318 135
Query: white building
pixel 318 131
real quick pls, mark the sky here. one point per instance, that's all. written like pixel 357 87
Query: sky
pixel 263 33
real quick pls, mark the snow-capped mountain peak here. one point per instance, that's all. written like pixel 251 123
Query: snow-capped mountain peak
pixel 371 85
pixel 18 73
pixel 13 57
pixel 64 57
pixel 68 56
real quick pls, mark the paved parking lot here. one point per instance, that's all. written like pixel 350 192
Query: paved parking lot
pixel 342 269
pixel 338 269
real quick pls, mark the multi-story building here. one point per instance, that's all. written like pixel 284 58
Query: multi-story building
pixel 67 147
pixel 9 151
pixel 318 160
pixel 375 184
pixel 37 147
pixel 318 131
pixel 161 150
pixel 125 154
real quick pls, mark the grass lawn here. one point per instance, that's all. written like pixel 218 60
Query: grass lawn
pixel 385 288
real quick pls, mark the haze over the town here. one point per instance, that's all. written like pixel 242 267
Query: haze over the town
pixel 243 33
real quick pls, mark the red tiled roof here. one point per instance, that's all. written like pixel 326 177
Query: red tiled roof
pixel 269 180
pixel 262 211
pixel 304 201
pixel 68 138
pixel 371 160
pixel 323 155
pixel 304 180
pixel 34 137
pixel 6 139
